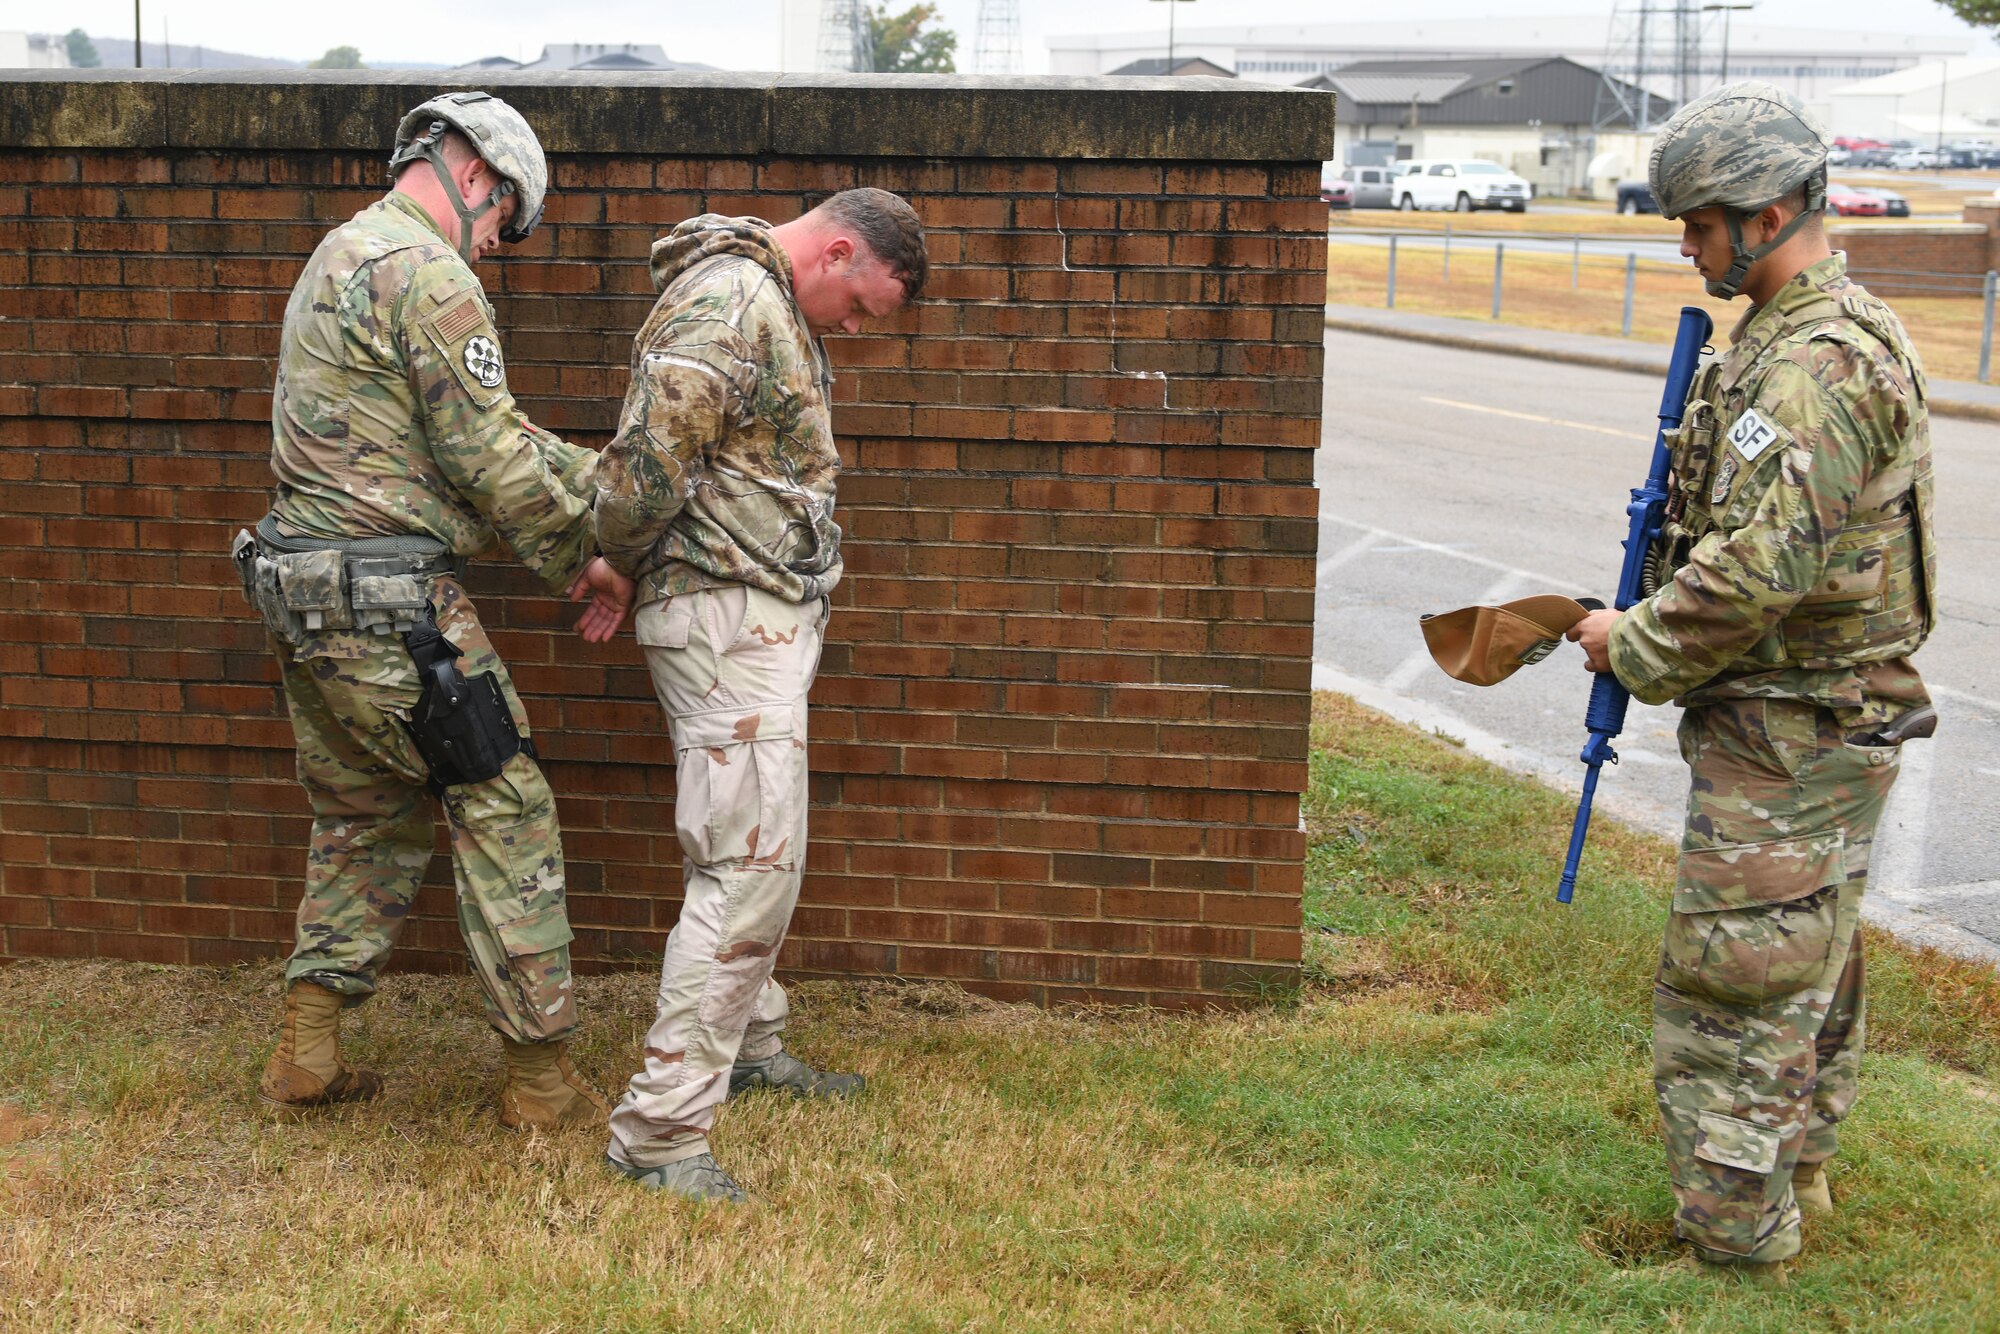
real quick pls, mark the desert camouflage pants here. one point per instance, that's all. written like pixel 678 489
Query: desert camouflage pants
pixel 1758 1011
pixel 732 667
pixel 348 694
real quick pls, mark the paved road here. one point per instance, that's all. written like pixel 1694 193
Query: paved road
pixel 1452 477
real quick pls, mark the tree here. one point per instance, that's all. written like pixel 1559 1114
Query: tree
pixel 1979 13
pixel 339 57
pixel 82 51
pixel 903 46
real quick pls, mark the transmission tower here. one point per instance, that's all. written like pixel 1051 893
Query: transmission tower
pixel 1633 57
pixel 845 43
pixel 997 44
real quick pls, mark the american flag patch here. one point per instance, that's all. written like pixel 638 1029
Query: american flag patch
pixel 461 319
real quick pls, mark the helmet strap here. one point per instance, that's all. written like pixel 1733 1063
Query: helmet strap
pixel 1743 256
pixel 426 146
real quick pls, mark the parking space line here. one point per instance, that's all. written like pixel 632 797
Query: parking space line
pixel 1446 549
pixel 1537 417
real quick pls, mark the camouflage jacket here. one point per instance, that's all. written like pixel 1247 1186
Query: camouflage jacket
pixel 1803 506
pixel 391 413
pixel 723 467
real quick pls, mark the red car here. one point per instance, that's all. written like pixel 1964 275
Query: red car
pixel 1843 202
pixel 1337 192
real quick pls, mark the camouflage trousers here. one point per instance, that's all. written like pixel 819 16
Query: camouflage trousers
pixel 349 694
pixel 732 667
pixel 1758 1014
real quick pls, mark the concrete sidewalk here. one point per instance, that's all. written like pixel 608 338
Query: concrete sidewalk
pixel 1948 398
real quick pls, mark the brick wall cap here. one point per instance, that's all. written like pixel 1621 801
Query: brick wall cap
pixel 682 113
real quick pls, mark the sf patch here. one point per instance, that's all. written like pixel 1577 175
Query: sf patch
pixel 1752 435
pixel 482 358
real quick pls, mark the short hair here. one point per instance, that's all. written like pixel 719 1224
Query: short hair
pixel 1794 203
pixel 890 229
pixel 453 146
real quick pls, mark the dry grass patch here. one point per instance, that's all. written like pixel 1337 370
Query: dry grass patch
pixel 1537 294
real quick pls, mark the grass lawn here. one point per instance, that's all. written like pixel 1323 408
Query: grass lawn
pixel 1450 1127
pixel 1537 293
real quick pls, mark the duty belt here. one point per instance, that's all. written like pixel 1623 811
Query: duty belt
pixel 403 554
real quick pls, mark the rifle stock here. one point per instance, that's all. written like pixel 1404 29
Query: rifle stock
pixel 1604 719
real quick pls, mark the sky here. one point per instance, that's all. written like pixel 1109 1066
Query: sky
pixel 744 34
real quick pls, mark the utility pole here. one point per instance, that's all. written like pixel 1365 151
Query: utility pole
pixel 1725 11
pixel 1170 29
pixel 138 50
pixel 1944 82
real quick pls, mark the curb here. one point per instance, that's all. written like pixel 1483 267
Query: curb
pixel 1939 407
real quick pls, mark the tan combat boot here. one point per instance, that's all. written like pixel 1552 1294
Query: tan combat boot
pixel 543 1089
pixel 1809 1188
pixel 306 1071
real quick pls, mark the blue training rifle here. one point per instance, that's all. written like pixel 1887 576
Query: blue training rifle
pixel 1605 718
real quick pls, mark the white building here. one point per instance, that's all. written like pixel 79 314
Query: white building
pixel 1954 99
pixel 1809 62
pixel 33 50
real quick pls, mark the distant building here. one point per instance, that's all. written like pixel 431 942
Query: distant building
pixel 1181 66
pixel 33 50
pixel 589 55
pixel 1810 62
pixel 1948 99
pixel 1546 118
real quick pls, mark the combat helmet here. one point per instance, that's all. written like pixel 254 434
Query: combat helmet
pixel 1741 148
pixel 500 136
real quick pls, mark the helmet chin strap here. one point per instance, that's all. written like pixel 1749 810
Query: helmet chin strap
pixel 1731 283
pixel 427 148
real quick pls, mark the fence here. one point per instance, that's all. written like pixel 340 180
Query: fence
pixel 1904 281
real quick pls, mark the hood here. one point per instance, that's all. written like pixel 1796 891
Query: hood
pixel 711 234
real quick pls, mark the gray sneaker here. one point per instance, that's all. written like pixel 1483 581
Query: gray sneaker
pixel 696 1178
pixel 786 1071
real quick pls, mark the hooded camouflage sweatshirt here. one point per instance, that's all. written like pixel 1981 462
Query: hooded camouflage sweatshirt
pixel 391 413
pixel 723 468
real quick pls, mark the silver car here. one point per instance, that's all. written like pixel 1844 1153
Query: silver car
pixel 1371 186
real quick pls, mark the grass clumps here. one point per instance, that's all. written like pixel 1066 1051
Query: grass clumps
pixel 1450 1128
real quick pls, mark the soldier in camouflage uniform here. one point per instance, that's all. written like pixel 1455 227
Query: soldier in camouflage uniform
pixel 717 496
pixel 1802 576
pixel 393 431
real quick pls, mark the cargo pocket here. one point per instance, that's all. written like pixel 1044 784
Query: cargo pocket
pixel 1754 924
pixel 525 902
pixel 740 787
pixel 1730 1142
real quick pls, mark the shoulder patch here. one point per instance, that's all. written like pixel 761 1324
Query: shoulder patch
pixel 459 319
pixel 1752 435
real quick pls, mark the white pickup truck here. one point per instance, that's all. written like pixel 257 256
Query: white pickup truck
pixel 1464 184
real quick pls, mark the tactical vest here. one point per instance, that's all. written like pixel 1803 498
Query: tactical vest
pixel 1875 598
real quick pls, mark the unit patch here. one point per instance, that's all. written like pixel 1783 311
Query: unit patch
pixel 1752 435
pixel 482 358
pixel 1724 475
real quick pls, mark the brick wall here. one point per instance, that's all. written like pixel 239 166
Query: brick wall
pixel 1060 728
pixel 1924 260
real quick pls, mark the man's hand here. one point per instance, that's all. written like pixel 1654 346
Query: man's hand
pixel 1594 633
pixel 610 595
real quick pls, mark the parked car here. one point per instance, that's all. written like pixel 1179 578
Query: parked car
pixel 1893 204
pixel 1464 184
pixel 1636 197
pixel 1371 186
pixel 1838 157
pixel 1869 158
pixel 1916 159
pixel 1844 201
pixel 1336 193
